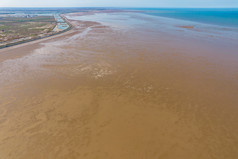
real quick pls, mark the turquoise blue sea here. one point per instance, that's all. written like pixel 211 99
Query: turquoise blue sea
pixel 224 17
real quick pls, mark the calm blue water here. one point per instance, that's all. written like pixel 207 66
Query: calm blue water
pixel 222 17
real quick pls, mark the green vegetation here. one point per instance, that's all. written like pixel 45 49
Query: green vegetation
pixel 15 28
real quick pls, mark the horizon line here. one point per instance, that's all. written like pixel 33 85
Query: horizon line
pixel 119 7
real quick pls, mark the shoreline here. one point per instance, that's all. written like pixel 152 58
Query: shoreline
pixel 9 45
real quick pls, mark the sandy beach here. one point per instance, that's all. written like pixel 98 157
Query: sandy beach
pixel 121 86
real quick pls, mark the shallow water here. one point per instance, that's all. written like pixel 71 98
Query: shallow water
pixel 123 85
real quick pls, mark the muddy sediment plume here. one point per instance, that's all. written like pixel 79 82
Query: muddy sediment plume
pixel 119 89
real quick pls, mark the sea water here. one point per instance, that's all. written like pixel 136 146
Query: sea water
pixel 217 16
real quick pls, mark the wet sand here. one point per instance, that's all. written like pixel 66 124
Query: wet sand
pixel 120 91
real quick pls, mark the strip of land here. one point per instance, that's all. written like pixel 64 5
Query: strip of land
pixel 19 30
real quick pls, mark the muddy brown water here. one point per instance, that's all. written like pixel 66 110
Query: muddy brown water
pixel 116 92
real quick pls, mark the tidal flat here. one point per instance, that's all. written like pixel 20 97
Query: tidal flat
pixel 122 85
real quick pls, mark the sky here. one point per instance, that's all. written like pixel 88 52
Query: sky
pixel 120 3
